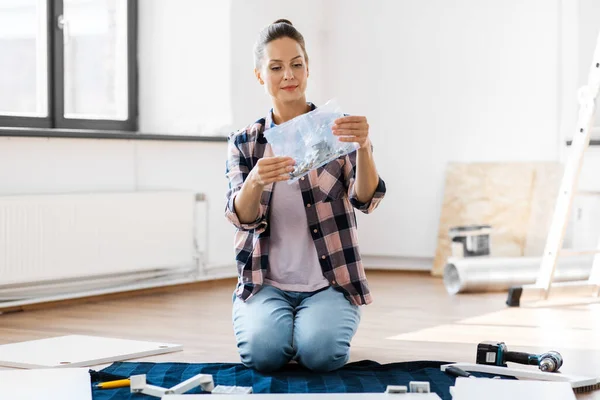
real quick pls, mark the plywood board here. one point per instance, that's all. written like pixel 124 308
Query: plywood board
pixel 546 183
pixel 516 199
pixel 78 351
pixel 38 384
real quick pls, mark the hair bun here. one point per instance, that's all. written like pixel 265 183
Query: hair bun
pixel 283 21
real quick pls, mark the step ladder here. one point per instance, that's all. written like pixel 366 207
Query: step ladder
pixel 544 288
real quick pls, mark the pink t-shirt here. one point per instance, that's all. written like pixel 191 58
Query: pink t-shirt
pixel 293 260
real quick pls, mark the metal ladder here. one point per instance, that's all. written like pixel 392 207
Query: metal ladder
pixel 544 286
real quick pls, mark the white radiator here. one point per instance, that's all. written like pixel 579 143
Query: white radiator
pixel 56 246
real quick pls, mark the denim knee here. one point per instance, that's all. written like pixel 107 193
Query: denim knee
pixel 265 351
pixel 323 352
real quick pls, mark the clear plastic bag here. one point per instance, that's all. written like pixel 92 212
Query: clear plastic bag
pixel 308 139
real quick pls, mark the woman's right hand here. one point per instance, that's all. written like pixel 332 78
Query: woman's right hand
pixel 272 169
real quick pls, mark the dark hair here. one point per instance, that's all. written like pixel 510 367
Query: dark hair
pixel 277 30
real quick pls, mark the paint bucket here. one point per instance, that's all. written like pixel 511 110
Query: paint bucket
pixel 470 240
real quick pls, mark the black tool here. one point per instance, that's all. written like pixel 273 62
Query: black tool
pixel 496 353
pixel 457 372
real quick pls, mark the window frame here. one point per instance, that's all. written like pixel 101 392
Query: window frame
pixel 55 70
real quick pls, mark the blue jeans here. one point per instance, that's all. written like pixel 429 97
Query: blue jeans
pixel 274 327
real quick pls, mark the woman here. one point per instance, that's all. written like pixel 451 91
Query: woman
pixel 301 280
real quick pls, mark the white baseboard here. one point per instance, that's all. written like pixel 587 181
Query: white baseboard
pixel 369 261
pixel 75 289
pixel 219 271
pixel 215 272
pixel 211 272
pixel 397 263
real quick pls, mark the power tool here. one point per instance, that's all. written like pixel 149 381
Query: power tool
pixel 496 353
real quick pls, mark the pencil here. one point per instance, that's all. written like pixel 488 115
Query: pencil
pixel 113 384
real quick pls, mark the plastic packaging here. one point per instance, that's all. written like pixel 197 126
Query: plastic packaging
pixel 308 139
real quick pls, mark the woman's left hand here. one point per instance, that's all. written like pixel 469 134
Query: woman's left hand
pixel 352 129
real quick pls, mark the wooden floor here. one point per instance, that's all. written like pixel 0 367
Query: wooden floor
pixel 412 318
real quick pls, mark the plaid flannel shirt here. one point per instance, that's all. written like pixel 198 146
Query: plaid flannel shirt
pixel 329 199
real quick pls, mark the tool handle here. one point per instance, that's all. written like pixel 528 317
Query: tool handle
pixel 521 358
pixel 457 372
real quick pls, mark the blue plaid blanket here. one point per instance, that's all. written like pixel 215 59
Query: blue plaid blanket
pixel 361 377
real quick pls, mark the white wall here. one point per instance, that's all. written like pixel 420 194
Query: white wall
pixel 587 35
pixel 196 62
pixel 589 27
pixel 579 34
pixel 188 85
pixel 581 41
pixel 197 77
pixel 249 100
pixel 466 80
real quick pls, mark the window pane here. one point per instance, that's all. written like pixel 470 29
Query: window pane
pixel 23 58
pixel 95 59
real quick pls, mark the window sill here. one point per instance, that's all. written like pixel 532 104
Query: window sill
pixel 96 134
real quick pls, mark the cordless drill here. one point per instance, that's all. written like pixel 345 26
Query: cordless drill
pixel 496 353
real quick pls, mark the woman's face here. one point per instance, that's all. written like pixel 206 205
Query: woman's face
pixel 284 70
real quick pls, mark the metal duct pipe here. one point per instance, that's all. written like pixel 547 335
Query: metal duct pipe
pixel 488 274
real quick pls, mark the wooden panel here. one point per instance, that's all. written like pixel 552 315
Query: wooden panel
pixel 77 351
pixel 516 199
pixel 547 178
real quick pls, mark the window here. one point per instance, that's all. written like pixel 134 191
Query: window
pixel 68 64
